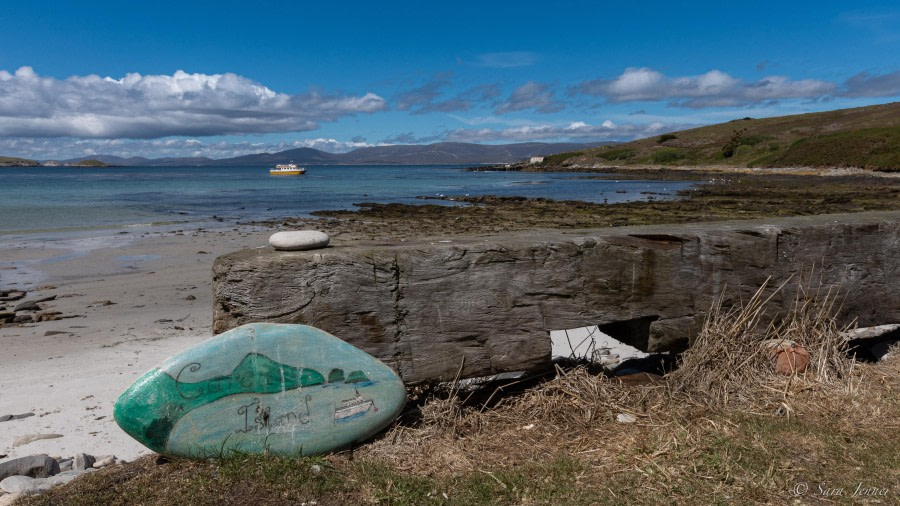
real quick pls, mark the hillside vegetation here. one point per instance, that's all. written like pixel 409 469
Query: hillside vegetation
pixel 89 163
pixel 9 161
pixel 864 137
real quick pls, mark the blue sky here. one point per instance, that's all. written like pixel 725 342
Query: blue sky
pixel 227 78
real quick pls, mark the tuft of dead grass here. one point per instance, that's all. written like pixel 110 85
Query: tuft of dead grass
pixel 711 433
pixel 729 364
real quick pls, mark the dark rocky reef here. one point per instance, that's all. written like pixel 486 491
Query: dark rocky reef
pixel 485 304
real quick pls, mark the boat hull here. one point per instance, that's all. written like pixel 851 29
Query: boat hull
pixel 286 172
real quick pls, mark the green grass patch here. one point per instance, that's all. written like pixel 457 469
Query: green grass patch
pixel 257 479
pixel 873 148
pixel 17 162
pixel 862 137
pixel 665 137
pixel 615 154
pixel 90 163
pixel 753 140
pixel 666 155
pixel 559 158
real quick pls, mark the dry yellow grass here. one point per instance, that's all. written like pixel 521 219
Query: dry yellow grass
pixel 724 428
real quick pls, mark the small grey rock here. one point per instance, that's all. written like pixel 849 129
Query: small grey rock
pixel 29 305
pixel 6 418
pixel 104 462
pixel 626 418
pixel 15 484
pixel 36 466
pixel 39 486
pixel 43 485
pixel 65 465
pixel 83 461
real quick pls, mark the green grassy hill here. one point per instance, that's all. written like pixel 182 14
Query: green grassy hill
pixel 88 163
pixel 8 161
pixel 864 137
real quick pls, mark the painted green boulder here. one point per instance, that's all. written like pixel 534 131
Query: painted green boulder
pixel 262 388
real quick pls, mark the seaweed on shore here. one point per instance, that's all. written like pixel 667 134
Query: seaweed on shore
pixel 719 197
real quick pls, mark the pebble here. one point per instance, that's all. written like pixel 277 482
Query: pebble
pixel 299 240
pixel 83 461
pixel 6 418
pixel 65 465
pixel 104 462
pixel 626 418
pixel 15 486
pixel 27 306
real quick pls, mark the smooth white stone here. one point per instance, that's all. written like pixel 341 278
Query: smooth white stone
pixel 104 462
pixel 299 240
pixel 16 484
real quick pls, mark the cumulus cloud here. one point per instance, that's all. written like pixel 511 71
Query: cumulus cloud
pixel 531 95
pixel 154 106
pixel 424 95
pixel 867 85
pixel 43 148
pixel 578 130
pixel 712 89
pixel 425 98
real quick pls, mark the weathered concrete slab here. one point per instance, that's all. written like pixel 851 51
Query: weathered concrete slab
pixel 487 304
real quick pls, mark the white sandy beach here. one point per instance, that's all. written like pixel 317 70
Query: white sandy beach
pixel 131 298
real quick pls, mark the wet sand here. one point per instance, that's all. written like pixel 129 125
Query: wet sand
pixel 127 304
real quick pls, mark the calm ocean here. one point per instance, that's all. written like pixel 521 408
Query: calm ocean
pixel 43 202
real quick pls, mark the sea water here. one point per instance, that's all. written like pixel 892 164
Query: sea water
pixel 44 202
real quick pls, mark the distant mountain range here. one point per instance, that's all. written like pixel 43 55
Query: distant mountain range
pixel 436 154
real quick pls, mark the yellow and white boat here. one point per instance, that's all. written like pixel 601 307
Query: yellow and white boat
pixel 287 169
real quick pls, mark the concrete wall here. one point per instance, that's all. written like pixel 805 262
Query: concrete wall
pixel 486 304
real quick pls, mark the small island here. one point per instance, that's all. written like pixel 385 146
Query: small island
pixel 7 161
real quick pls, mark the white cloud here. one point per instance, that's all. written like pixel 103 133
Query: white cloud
pixel 153 106
pixel 531 95
pixel 712 89
pixel 65 148
pixel 868 85
pixel 574 131
pixel 425 98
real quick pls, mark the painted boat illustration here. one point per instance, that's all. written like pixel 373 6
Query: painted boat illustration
pixel 354 408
